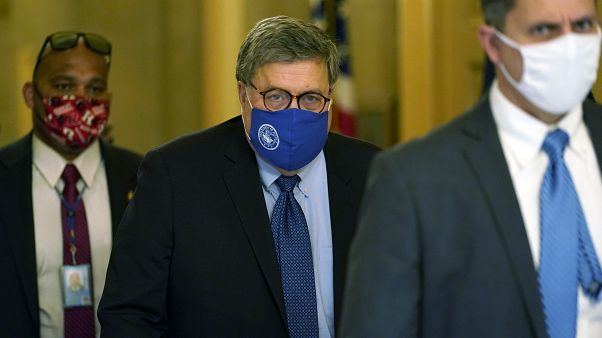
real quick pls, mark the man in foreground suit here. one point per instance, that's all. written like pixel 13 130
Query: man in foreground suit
pixel 492 225
pixel 242 230
pixel 46 243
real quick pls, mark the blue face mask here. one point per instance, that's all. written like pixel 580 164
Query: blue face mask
pixel 288 139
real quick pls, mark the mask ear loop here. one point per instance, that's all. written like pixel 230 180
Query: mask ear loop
pixel 243 118
pixel 37 117
pixel 512 44
pixel 505 39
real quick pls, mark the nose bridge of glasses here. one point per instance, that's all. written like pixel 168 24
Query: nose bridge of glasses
pixel 295 99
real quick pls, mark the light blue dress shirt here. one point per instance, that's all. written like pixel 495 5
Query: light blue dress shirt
pixel 312 195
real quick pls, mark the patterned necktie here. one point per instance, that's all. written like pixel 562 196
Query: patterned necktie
pixel 79 321
pixel 293 249
pixel 560 214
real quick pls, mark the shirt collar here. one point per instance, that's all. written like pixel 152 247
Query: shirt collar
pixel 269 174
pixel 51 164
pixel 523 133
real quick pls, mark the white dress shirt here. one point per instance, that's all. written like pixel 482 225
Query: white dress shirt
pixel 312 195
pixel 47 169
pixel 522 136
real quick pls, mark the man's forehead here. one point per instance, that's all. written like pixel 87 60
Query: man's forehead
pixel 304 73
pixel 78 59
pixel 533 11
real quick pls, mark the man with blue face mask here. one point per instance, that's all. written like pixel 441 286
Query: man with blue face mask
pixel 492 225
pixel 243 230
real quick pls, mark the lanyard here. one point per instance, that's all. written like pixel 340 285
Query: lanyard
pixel 70 208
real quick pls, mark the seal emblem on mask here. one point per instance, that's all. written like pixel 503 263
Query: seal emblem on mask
pixel 268 137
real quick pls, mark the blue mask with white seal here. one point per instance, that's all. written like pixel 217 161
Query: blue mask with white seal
pixel 288 139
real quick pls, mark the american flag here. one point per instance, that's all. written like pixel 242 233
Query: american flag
pixel 344 108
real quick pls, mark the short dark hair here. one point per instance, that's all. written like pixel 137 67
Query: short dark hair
pixel 495 11
pixel 285 39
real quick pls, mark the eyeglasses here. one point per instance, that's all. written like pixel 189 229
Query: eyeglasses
pixel 66 40
pixel 278 99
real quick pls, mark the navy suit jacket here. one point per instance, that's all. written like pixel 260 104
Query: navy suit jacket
pixel 441 248
pixel 19 311
pixel 194 255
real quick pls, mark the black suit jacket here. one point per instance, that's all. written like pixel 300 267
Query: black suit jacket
pixel 19 312
pixel 194 255
pixel 441 248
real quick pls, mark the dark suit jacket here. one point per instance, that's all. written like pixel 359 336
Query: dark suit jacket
pixel 441 248
pixel 19 312
pixel 194 255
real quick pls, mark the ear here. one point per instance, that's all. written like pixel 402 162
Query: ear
pixel 330 113
pixel 330 103
pixel 242 93
pixel 490 43
pixel 28 94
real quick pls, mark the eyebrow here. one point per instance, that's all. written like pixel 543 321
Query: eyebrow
pixel 544 23
pixel 314 91
pixel 593 18
pixel 62 77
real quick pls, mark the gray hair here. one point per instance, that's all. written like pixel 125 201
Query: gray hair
pixel 285 39
pixel 495 11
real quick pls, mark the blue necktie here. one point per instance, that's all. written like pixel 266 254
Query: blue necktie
pixel 568 257
pixel 293 249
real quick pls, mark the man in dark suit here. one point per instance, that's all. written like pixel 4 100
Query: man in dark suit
pixel 242 230
pixel 491 225
pixel 43 231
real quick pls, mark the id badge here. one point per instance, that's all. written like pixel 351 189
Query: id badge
pixel 76 286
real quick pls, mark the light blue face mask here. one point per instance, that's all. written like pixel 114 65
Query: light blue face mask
pixel 288 139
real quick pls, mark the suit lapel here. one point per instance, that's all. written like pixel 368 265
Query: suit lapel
pixel 118 182
pixel 485 156
pixel 341 219
pixel 243 184
pixel 16 216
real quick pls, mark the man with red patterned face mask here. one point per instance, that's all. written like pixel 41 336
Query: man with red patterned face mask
pixel 63 193
pixel 70 105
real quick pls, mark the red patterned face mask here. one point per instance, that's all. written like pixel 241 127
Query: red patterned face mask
pixel 75 121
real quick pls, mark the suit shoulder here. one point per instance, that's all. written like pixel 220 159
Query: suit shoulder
pixel 206 140
pixel 123 154
pixel 592 106
pixel 202 151
pixel 592 114
pixel 438 146
pixel 16 151
pixel 351 146
pixel 121 161
pixel 349 154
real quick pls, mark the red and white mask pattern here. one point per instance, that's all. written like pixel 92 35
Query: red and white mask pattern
pixel 75 121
